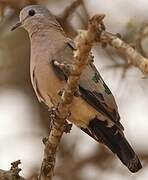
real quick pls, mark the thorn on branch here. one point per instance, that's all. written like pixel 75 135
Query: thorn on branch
pixel 44 140
pixel 60 92
pixel 67 127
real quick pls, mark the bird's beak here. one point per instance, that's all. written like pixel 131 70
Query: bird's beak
pixel 18 24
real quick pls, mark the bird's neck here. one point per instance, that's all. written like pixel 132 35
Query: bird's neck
pixel 46 40
pixel 43 27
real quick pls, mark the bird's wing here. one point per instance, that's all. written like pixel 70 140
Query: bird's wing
pixel 96 93
pixel 92 87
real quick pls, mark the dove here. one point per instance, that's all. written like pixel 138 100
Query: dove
pixel 94 110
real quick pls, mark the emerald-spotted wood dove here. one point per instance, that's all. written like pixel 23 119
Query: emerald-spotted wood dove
pixel 95 110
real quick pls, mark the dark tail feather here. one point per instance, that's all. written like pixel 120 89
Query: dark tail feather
pixel 116 142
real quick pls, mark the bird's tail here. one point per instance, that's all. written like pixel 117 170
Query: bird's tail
pixel 116 142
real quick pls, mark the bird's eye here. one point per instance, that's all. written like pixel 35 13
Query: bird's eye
pixel 31 12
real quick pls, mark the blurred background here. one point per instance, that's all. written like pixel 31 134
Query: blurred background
pixel 24 122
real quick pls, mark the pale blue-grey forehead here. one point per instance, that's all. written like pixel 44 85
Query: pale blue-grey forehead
pixel 37 8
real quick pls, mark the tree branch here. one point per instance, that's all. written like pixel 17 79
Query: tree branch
pixel 84 42
pixel 13 173
pixel 132 55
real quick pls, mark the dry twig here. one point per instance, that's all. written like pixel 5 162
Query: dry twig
pixel 133 56
pixel 13 173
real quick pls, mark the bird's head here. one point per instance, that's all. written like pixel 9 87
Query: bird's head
pixel 33 14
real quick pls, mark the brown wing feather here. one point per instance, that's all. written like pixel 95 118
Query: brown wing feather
pixel 95 92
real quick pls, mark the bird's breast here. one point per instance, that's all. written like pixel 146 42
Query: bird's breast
pixel 47 85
